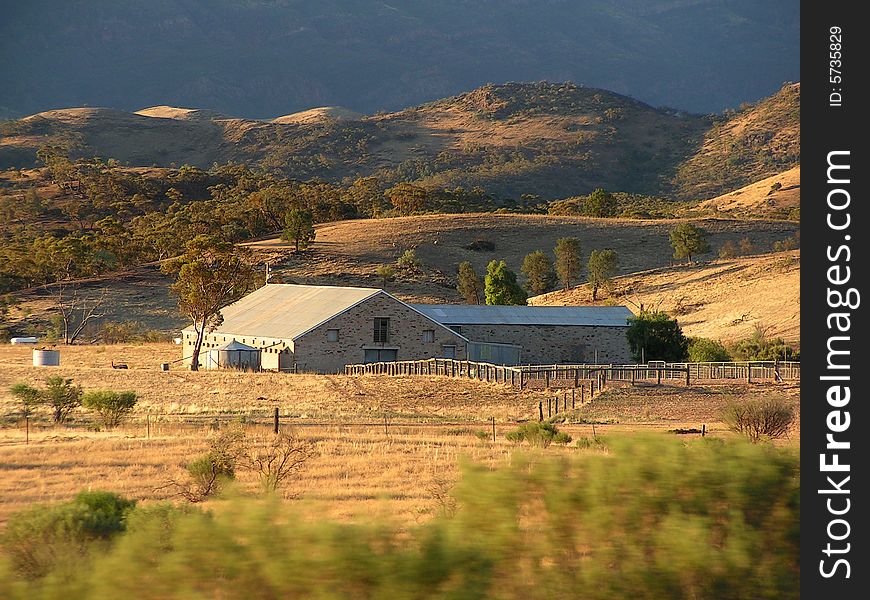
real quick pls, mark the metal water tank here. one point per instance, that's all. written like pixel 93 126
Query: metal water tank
pixel 46 358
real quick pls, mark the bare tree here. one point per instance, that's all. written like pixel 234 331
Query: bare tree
pixel 76 310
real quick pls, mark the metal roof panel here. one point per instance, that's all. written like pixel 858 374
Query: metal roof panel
pixel 470 314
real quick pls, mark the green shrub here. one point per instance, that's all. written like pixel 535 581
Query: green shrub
pixel 28 396
pixel 42 538
pixel 483 435
pixel 592 443
pixel 111 406
pixel 758 420
pixel 538 434
pixel 653 518
pixel 759 347
pixel 410 261
pixel 707 350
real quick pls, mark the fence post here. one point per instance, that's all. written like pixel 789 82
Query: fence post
pixel 748 372
pixel 540 410
pixel 687 375
pixel 658 376
pixel 493 429
pixel 582 394
pixel 276 420
pixel 26 430
pixel 632 377
pixel 148 426
pixel 522 382
pixel 703 430
pixel 572 398
pixel 547 379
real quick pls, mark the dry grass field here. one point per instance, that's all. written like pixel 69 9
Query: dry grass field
pixel 724 299
pixel 349 252
pixel 362 467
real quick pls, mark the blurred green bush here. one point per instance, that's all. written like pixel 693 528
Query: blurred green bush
pixel 652 518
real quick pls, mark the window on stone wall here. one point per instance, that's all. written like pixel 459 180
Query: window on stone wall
pixel 449 351
pixel 382 330
pixel 457 328
pixel 428 335
pixel 332 335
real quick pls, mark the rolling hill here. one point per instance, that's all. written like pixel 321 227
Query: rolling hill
pixel 548 140
pixel 725 299
pixel 349 252
pixel 777 196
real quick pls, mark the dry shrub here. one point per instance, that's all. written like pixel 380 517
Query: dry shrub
pixel 276 458
pixel 208 474
pixel 767 418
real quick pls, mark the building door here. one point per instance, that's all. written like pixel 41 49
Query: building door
pixel 449 351
pixel 373 355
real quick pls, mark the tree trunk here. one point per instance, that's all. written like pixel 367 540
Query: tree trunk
pixel 594 293
pixel 197 346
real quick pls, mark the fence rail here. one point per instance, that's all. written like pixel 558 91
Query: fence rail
pixel 576 376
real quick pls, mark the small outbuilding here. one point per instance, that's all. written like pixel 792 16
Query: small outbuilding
pixel 234 355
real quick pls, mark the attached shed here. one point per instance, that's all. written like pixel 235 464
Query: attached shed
pixel 543 334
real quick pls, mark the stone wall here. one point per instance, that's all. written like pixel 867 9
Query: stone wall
pixel 553 344
pixel 356 334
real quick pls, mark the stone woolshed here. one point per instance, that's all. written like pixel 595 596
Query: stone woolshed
pixel 323 328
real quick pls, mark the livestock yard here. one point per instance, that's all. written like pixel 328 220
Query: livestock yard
pixel 384 445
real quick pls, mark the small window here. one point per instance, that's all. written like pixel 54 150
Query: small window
pixel 428 335
pixel 449 351
pixel 332 335
pixel 382 329
pixel 457 328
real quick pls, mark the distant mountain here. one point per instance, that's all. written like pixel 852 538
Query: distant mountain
pixel 546 139
pixel 262 58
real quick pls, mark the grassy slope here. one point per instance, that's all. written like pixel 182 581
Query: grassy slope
pixel 349 252
pixel 758 199
pixel 757 142
pixel 724 299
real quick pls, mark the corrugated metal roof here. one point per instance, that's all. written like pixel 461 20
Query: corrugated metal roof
pixel 285 311
pixel 234 345
pixel 470 314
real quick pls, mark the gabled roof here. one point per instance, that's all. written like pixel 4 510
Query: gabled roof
pixel 286 311
pixel 472 314
pixel 234 345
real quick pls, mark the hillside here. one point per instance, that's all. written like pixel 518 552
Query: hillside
pixel 547 140
pixel 721 299
pixel 759 141
pixel 349 252
pixel 778 196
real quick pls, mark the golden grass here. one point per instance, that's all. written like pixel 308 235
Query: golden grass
pixel 724 299
pixel 361 468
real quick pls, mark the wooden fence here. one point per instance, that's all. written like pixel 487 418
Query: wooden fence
pixel 577 376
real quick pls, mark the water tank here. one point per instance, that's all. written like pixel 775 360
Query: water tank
pixel 46 358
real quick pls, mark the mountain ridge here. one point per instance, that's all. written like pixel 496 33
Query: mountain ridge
pixel 547 139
